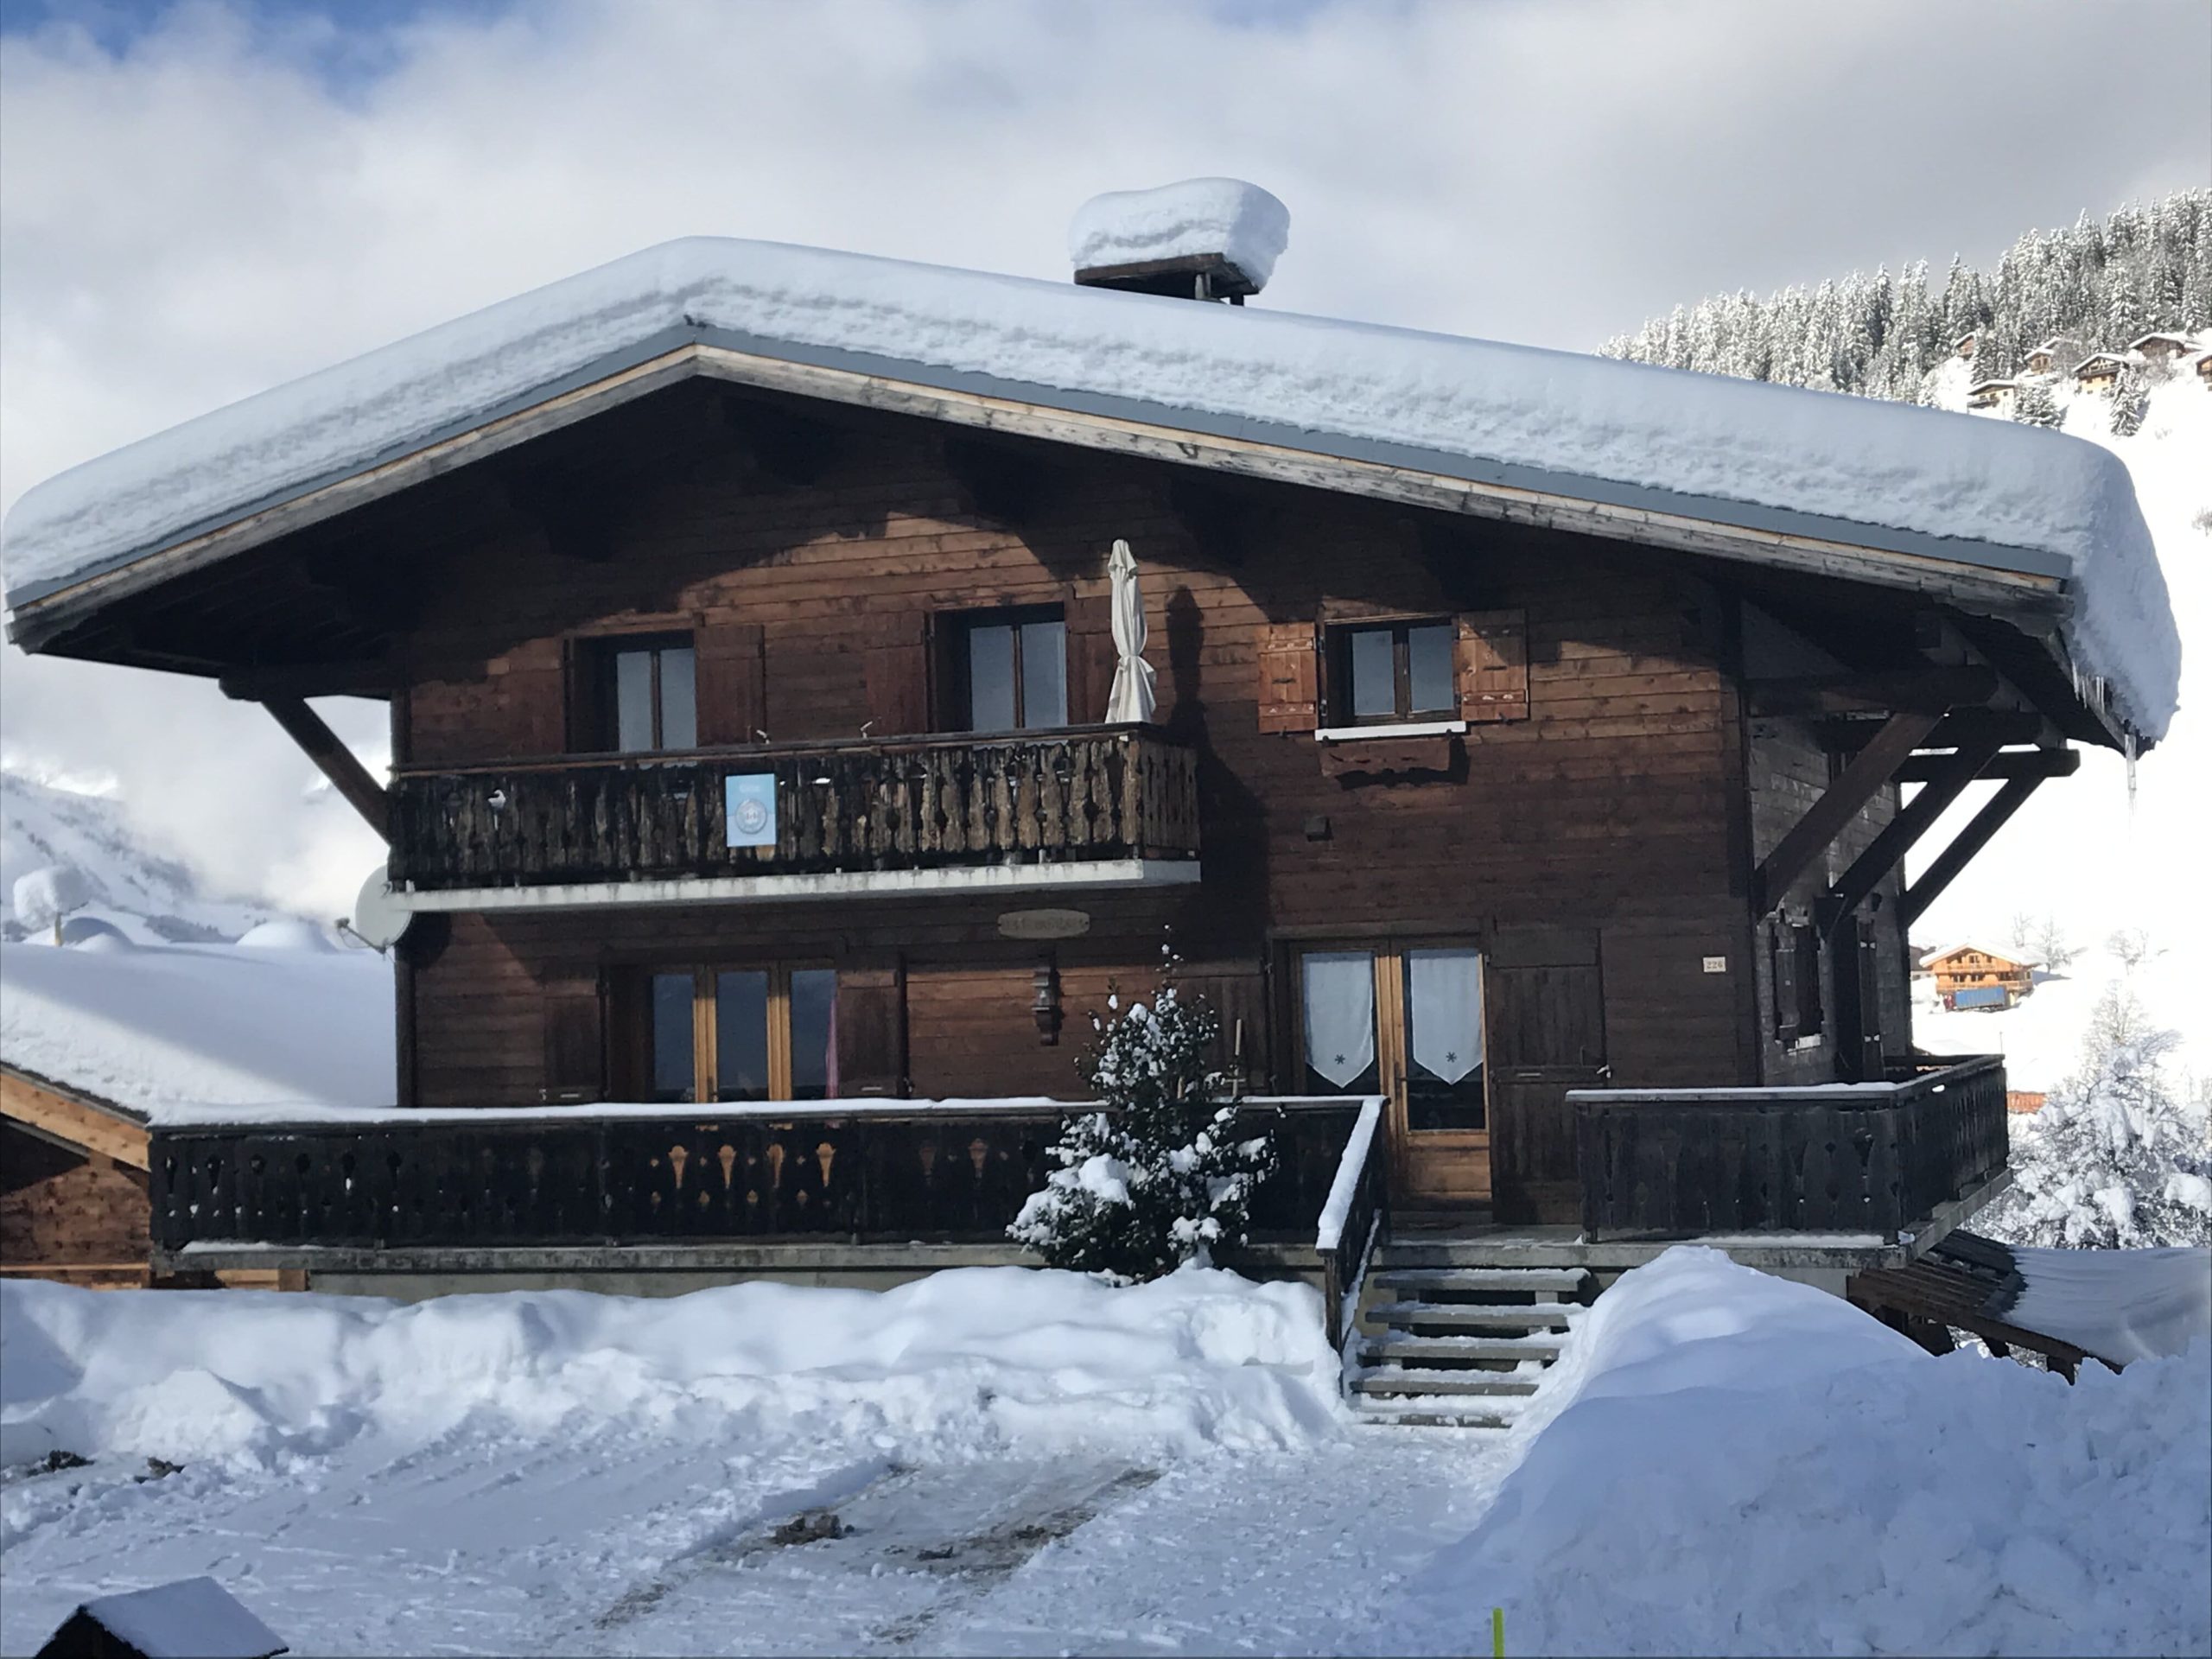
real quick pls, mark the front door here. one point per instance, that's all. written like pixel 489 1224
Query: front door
pixel 1405 1021
pixel 1546 1036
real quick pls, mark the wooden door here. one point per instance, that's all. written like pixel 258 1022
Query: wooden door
pixel 1547 1031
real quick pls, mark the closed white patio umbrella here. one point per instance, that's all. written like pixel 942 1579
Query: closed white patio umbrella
pixel 1131 701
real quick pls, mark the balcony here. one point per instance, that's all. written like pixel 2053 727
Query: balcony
pixel 1093 807
pixel 1888 1160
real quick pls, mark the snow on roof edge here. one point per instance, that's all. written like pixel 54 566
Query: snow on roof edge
pixel 1503 410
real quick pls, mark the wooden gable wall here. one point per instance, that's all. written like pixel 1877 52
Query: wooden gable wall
pixel 1614 806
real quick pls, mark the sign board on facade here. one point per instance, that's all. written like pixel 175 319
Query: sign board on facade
pixel 1044 923
pixel 749 808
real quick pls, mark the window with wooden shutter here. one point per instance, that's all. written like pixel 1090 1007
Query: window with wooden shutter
pixel 871 1032
pixel 1290 687
pixel 733 684
pixel 1091 659
pixel 1493 665
pixel 898 672
pixel 575 1044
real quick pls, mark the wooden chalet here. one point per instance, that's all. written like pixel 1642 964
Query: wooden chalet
pixel 2099 371
pixel 1539 841
pixel 1992 394
pixel 1974 968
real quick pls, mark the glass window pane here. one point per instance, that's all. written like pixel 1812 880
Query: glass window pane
pixel 1429 654
pixel 1373 674
pixel 679 699
pixel 1044 673
pixel 1444 1015
pixel 1340 1006
pixel 991 679
pixel 671 1022
pixel 633 700
pixel 741 1035
pixel 814 1034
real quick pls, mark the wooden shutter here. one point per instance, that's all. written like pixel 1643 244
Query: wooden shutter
pixel 1493 665
pixel 871 1032
pixel 1782 957
pixel 584 726
pixel 733 684
pixel 1290 683
pixel 898 675
pixel 574 1041
pixel 1091 659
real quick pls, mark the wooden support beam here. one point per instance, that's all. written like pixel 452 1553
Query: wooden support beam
pixel 338 764
pixel 1932 689
pixel 1968 842
pixel 55 1115
pixel 2004 766
pixel 363 679
pixel 1873 766
pixel 1913 821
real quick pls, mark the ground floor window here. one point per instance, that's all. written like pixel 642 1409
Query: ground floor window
pixel 1400 1018
pixel 743 1033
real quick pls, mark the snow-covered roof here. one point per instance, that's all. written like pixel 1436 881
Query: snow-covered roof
pixel 1240 221
pixel 2116 359
pixel 2018 959
pixel 2158 337
pixel 1990 385
pixel 192 1619
pixel 1894 478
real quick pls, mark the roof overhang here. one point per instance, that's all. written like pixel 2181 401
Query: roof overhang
pixel 2025 587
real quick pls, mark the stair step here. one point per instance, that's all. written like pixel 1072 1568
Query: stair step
pixel 1554 1316
pixel 1406 1415
pixel 1412 1380
pixel 1475 1279
pixel 1400 1347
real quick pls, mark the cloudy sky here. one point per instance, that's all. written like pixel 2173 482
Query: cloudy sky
pixel 200 201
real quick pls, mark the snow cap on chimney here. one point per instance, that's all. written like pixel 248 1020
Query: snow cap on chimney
pixel 1203 238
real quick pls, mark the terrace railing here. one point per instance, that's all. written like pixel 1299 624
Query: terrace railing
pixel 1094 794
pixel 1878 1159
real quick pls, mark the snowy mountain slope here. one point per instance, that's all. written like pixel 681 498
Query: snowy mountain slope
pixel 2083 852
pixel 147 896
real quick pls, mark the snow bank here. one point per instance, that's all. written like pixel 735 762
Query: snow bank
pixel 1743 1466
pixel 2118 1305
pixel 1238 220
pixel 1540 417
pixel 169 1028
pixel 966 1359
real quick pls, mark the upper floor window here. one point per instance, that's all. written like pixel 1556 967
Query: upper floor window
pixel 1399 671
pixel 1009 670
pixel 642 694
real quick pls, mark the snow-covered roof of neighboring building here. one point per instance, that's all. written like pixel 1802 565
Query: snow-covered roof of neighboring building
pixel 192 1619
pixel 1929 958
pixel 2117 359
pixel 2158 337
pixel 1990 385
pixel 158 1028
pixel 1772 459
pixel 1240 221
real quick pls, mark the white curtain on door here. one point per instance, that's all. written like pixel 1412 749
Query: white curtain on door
pixel 1445 989
pixel 1339 1014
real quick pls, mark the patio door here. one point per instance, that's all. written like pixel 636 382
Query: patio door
pixel 1406 1021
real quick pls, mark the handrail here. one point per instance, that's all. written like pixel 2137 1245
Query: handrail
pixel 1353 1214
pixel 901 743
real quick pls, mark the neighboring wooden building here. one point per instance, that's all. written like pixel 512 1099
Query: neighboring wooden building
pixel 73 1185
pixel 2204 369
pixel 1972 967
pixel 754 793
pixel 1999 394
pixel 2042 359
pixel 2099 371
pixel 2161 347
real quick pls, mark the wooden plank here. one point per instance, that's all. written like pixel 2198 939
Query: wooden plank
pixel 1977 835
pixel 72 1119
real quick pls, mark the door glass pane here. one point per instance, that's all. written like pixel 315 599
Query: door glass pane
pixel 1044 673
pixel 741 1035
pixel 633 701
pixel 1373 674
pixel 1338 989
pixel 991 679
pixel 1444 1016
pixel 814 1034
pixel 1428 656
pixel 671 1023
pixel 679 699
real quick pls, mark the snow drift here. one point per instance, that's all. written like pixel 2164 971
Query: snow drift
pixel 964 1359
pixel 1740 1464
pixel 1575 423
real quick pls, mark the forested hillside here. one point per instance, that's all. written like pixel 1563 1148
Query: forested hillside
pixel 2096 286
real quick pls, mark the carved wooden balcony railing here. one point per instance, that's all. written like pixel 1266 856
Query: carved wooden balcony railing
pixel 1875 1158
pixel 1088 795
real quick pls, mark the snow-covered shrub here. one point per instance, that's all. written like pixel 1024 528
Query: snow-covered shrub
pixel 1160 1174
pixel 2116 1158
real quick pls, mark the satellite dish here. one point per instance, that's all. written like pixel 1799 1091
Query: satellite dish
pixel 379 916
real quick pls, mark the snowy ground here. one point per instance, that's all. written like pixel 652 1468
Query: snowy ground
pixel 1001 1461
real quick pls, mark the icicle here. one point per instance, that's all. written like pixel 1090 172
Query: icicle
pixel 2127 745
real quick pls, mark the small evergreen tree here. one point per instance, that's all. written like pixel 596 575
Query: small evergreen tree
pixel 2130 396
pixel 2034 406
pixel 1158 1175
pixel 2116 1158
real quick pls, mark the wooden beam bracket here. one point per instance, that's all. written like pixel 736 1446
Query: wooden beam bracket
pixel 1873 766
pixel 1968 842
pixel 337 762
pixel 1912 821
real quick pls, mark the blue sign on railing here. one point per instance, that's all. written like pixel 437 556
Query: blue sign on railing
pixel 749 808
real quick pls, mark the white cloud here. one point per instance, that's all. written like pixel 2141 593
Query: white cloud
pixel 209 212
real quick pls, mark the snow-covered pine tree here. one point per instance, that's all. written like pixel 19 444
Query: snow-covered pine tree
pixel 2033 405
pixel 2131 398
pixel 1163 1171
pixel 2116 1158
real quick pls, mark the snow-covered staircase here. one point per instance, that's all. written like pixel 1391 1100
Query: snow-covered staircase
pixel 1445 1343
